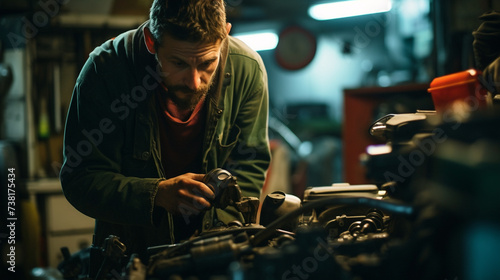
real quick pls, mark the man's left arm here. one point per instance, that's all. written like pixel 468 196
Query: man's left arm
pixel 250 157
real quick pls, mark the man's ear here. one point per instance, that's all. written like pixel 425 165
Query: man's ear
pixel 148 39
pixel 228 27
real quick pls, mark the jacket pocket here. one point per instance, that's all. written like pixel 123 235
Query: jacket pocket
pixel 226 143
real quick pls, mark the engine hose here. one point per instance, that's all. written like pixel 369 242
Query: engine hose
pixel 387 205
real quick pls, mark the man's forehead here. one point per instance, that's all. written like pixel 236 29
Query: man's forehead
pixel 174 47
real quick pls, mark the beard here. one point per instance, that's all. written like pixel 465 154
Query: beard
pixel 186 98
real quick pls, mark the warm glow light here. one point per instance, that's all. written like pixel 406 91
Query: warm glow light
pixel 350 8
pixel 378 149
pixel 259 41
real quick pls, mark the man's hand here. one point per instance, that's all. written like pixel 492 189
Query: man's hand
pixel 184 194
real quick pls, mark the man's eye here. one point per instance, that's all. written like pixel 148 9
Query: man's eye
pixel 206 64
pixel 177 63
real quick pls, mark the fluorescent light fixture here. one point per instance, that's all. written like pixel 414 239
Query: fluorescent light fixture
pixel 350 8
pixel 259 41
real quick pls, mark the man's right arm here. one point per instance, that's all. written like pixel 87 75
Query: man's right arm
pixel 91 175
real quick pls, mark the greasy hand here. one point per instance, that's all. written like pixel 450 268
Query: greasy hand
pixel 184 194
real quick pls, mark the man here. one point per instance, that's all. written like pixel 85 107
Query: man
pixel 155 109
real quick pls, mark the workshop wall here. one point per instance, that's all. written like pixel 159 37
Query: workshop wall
pixel 374 50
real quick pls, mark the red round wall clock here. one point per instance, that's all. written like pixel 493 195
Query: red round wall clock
pixel 296 48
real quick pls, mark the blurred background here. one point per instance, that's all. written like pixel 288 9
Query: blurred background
pixel 329 79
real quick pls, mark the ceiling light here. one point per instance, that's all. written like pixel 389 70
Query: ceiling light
pixel 350 8
pixel 259 41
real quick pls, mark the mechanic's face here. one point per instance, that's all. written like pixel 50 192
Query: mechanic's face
pixel 188 69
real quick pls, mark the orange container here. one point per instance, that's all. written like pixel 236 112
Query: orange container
pixel 458 87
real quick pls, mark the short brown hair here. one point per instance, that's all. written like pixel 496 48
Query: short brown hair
pixel 188 20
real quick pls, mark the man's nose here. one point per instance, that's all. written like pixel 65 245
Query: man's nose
pixel 193 79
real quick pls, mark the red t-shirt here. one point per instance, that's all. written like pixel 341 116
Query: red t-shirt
pixel 181 140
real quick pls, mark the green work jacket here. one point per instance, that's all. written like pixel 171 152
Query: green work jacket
pixel 112 159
